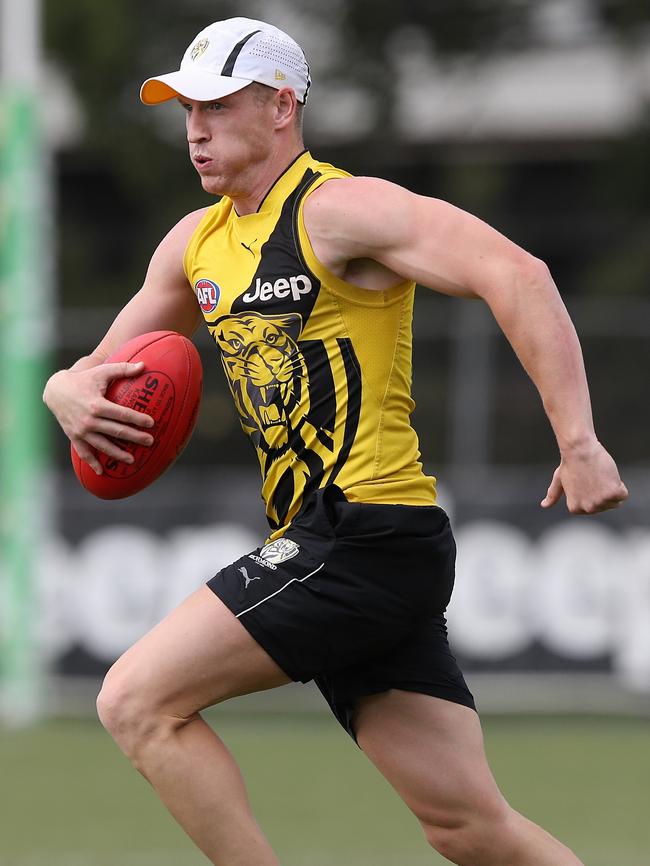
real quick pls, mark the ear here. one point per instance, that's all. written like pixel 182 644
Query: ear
pixel 285 107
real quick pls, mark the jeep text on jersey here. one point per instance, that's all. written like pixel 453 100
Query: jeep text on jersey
pixel 281 288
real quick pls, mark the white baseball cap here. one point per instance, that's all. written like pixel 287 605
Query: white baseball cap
pixel 227 56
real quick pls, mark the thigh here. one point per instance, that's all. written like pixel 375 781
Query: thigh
pixel 198 655
pixel 431 751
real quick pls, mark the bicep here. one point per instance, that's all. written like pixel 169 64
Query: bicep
pixel 420 238
pixel 166 301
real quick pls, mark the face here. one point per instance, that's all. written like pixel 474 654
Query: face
pixel 229 139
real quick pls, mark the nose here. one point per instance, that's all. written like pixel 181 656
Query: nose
pixel 197 128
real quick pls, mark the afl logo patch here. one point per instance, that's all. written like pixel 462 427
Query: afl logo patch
pixel 207 294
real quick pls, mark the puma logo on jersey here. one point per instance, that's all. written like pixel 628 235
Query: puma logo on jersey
pixel 281 288
pixel 246 577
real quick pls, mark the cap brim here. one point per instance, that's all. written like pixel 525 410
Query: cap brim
pixel 192 83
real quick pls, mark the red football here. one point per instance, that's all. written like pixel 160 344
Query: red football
pixel 169 390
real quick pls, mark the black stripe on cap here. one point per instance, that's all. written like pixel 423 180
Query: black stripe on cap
pixel 229 65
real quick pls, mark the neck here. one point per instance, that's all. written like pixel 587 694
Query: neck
pixel 248 201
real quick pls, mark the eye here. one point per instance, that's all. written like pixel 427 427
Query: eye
pixel 271 338
pixel 213 106
pixel 236 344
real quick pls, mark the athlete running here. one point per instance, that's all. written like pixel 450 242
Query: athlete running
pixel 305 278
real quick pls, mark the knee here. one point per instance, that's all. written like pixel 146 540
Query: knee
pixel 122 707
pixel 132 716
pixel 453 842
pixel 467 840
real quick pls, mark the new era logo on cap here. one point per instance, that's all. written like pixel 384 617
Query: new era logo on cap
pixel 227 56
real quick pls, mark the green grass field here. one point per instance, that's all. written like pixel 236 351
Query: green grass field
pixel 68 798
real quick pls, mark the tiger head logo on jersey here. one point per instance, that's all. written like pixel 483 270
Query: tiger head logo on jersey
pixel 266 371
pixel 280 408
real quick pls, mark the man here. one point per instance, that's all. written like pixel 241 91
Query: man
pixel 305 279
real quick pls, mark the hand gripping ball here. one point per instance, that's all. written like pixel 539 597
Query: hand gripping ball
pixel 169 389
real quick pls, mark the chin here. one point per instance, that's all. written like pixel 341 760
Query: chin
pixel 213 185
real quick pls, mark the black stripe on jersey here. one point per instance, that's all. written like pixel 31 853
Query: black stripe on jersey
pixel 281 257
pixel 308 179
pixel 353 377
pixel 325 439
pixel 281 499
pixel 322 415
pixel 259 207
pixel 322 391
pixel 283 492
pixel 229 65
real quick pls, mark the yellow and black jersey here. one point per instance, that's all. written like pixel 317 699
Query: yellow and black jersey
pixel 319 369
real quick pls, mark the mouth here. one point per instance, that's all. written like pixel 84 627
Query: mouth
pixel 268 410
pixel 270 415
pixel 201 162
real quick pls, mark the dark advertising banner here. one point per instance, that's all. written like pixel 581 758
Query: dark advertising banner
pixel 571 595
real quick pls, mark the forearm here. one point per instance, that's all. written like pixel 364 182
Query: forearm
pixel 536 323
pixel 89 361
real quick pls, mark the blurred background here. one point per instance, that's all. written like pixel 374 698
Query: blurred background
pixel 535 116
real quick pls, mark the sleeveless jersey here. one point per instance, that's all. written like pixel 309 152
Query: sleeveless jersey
pixel 319 369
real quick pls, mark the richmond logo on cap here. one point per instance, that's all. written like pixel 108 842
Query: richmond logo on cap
pixel 199 48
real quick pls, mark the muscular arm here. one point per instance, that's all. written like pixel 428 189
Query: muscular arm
pixel 448 250
pixel 76 396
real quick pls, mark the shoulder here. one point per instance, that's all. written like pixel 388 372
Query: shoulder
pixel 356 216
pixel 174 244
pixel 354 202
pixel 170 252
pixel 341 194
pixel 185 228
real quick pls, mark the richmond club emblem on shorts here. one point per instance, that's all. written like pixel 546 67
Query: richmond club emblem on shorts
pixel 280 550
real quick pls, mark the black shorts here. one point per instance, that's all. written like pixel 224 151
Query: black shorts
pixel 353 596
